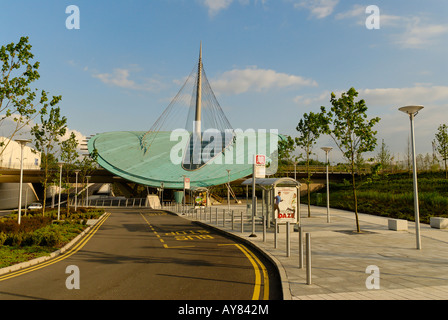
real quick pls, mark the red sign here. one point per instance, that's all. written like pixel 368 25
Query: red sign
pixel 260 160
pixel 187 183
pixel 260 166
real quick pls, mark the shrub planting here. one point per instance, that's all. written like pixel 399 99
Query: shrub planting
pixel 392 196
pixel 38 235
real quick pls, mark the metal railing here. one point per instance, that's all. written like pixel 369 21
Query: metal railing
pixel 110 203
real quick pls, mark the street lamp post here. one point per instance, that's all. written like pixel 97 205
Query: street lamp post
pixel 412 111
pixel 295 170
pixel 60 164
pixel 87 190
pixel 327 151
pixel 76 189
pixel 22 143
pixel 228 189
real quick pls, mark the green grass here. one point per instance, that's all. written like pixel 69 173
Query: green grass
pixel 38 236
pixel 392 196
pixel 13 255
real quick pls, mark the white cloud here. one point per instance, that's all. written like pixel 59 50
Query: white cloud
pixel 387 97
pixel 8 126
pixel 121 78
pixel 418 34
pixel 319 8
pixel 405 31
pixel 394 127
pixel 215 6
pixel 253 79
pixel 393 97
pixel 356 12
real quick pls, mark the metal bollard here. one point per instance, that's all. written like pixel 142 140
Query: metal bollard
pixel 264 228
pixel 288 242
pixel 242 225
pixel 233 220
pixel 300 248
pixel 224 218
pixel 275 235
pixel 308 258
pixel 216 216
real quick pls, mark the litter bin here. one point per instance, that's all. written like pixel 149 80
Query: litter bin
pixel 318 198
pixel 178 196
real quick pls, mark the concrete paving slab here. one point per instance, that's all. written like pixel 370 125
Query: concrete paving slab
pixel 340 256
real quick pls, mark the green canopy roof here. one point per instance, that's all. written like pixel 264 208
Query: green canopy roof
pixel 122 154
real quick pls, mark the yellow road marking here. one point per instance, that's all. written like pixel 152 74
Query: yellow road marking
pixel 69 253
pixel 251 257
pixel 255 263
pixel 265 274
pixel 160 238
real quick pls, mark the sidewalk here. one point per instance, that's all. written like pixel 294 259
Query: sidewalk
pixel 340 257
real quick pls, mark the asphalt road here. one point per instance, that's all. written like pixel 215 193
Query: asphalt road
pixel 148 255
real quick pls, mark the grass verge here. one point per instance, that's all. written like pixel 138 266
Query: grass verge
pixel 39 235
pixel 390 196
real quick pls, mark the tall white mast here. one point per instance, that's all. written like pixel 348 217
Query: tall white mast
pixel 199 97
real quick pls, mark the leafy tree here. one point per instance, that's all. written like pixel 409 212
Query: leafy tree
pixel 441 143
pixel 285 149
pixel 384 156
pixel 87 165
pixel 47 135
pixel 351 131
pixel 310 127
pixel 17 100
pixel 69 155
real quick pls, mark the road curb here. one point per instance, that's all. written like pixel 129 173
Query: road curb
pixel 52 255
pixel 286 291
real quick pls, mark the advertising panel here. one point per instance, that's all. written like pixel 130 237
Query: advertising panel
pixel 285 204
pixel 187 183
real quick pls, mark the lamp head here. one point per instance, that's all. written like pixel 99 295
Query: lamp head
pixel 411 110
pixel 23 141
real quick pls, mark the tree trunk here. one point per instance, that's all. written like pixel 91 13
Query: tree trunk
pixel 355 199
pixel 68 195
pixel 308 181
pixel 446 172
pixel 45 189
pixel 309 198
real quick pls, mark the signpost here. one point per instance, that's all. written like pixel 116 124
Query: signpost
pixel 259 172
pixel 186 186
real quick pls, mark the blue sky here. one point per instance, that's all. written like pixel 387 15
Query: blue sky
pixel 268 61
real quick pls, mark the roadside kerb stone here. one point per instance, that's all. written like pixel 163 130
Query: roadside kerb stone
pixel 52 255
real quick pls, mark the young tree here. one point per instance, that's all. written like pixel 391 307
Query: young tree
pixel 384 156
pixel 69 155
pixel 351 131
pixel 17 99
pixel 47 135
pixel 441 143
pixel 285 149
pixel 310 127
pixel 87 165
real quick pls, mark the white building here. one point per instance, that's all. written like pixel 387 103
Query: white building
pixel 10 159
pixel 10 156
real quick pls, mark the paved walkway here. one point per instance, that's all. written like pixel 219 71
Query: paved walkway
pixel 340 257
